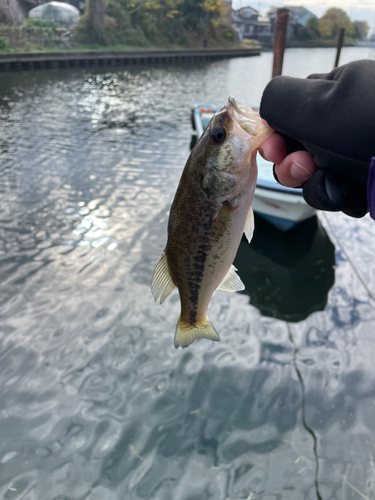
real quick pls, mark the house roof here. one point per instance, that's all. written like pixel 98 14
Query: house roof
pixel 241 12
pixel 239 16
pixel 298 14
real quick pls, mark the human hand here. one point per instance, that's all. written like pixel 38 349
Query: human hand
pixel 327 127
pixel 291 170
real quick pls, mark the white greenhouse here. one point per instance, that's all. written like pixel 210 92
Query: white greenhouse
pixel 57 12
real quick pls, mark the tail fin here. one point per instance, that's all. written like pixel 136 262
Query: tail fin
pixel 187 334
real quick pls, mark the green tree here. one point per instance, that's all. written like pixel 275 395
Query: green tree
pixel 307 32
pixel 325 28
pixel 332 21
pixel 96 12
pixel 361 29
pixel 312 26
pixel 300 33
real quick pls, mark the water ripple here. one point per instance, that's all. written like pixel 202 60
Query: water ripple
pixel 95 401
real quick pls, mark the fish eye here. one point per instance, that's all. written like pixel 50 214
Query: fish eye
pixel 218 135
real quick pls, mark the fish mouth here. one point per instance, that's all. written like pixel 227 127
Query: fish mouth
pixel 247 117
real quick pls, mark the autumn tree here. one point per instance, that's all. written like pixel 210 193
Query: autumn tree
pixel 197 14
pixel 155 22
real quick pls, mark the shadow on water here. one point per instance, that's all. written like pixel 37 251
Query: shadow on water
pixel 278 269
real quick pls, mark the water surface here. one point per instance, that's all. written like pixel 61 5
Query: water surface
pixel 95 401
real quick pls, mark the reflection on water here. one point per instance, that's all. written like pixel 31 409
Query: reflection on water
pixel 95 402
pixel 287 274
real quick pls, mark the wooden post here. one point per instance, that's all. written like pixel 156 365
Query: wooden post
pixel 280 41
pixel 340 41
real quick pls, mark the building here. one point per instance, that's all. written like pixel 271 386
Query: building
pixel 297 16
pixel 250 25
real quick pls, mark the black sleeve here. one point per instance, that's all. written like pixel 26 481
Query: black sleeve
pixel 333 117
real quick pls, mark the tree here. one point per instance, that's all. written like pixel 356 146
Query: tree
pixel 156 22
pixel 325 28
pixel 361 29
pixel 10 12
pixel 96 12
pixel 332 21
pixel 312 26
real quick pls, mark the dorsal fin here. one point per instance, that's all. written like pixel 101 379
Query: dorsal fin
pixel 162 283
pixel 249 225
pixel 231 282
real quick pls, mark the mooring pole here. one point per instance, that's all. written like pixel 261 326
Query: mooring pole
pixel 340 41
pixel 281 29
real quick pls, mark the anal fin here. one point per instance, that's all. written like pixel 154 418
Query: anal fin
pixel 162 284
pixel 232 282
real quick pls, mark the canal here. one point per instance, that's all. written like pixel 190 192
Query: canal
pixel 95 402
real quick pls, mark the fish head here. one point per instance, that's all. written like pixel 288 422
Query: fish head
pixel 227 149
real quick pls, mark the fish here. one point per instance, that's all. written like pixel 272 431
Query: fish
pixel 210 212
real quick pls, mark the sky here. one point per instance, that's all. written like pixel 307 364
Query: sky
pixel 357 10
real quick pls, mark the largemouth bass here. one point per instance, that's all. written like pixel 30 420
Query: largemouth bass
pixel 210 211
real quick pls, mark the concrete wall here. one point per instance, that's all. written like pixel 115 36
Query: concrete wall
pixel 18 37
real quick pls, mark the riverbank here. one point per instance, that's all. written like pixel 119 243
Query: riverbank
pixel 316 44
pixel 96 58
pixel 309 45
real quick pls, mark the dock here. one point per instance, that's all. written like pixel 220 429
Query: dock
pixel 30 61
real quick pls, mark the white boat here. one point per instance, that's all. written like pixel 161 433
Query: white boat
pixel 282 206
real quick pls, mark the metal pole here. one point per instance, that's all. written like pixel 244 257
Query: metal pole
pixel 281 29
pixel 339 46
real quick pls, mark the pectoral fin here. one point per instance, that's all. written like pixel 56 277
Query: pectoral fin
pixel 222 219
pixel 231 282
pixel 162 284
pixel 249 225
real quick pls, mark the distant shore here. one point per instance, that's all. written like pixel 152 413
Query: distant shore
pixel 309 45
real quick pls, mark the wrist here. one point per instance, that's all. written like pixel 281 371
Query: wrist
pixel 371 188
